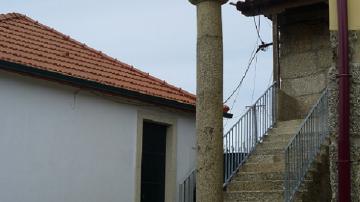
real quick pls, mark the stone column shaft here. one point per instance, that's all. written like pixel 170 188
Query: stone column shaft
pixel 209 106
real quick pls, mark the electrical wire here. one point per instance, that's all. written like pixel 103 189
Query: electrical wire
pixel 254 80
pixel 257 28
pixel 253 55
pixel 262 47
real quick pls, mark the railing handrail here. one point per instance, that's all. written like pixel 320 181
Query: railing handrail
pixel 268 97
pixel 241 117
pixel 251 106
pixel 274 84
pixel 188 174
pixel 187 187
pixel 303 147
pixel 247 131
pixel 307 117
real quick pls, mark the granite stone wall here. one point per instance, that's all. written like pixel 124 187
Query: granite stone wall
pixel 308 63
pixel 305 55
pixel 354 55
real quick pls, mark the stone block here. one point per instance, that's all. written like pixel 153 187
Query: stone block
pixel 355 149
pixel 287 107
pixel 355 181
pixel 321 40
pixel 333 170
pixel 355 73
pixel 306 103
pixel 293 39
pixel 298 65
pixel 313 84
pixel 354 122
pixel 291 46
pixel 324 58
pixel 355 109
pixel 354 46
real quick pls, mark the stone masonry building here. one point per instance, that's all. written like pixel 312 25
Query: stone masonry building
pixel 306 55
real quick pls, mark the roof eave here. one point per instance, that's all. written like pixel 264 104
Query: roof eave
pixel 269 7
pixel 19 68
pixel 36 72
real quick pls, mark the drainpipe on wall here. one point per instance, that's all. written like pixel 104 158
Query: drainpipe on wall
pixel 344 187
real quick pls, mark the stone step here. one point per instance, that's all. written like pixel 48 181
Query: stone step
pixel 272 145
pixel 269 151
pixel 258 176
pixel 286 128
pixel 261 196
pixel 282 144
pixel 278 138
pixel 290 123
pixel 262 167
pixel 261 178
pixel 266 158
pixel 264 185
pixel 288 132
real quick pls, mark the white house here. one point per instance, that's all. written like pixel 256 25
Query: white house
pixel 79 126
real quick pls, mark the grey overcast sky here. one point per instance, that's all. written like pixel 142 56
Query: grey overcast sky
pixel 158 37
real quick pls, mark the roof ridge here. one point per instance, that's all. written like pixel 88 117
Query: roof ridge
pixel 8 16
pixel 100 53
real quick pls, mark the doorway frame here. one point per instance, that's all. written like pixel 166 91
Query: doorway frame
pixel 170 153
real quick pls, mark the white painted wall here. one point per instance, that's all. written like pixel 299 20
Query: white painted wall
pixel 186 149
pixel 58 144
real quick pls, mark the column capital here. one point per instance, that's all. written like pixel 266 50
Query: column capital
pixel 196 2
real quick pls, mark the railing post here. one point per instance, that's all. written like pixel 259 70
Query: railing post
pixel 274 103
pixel 255 124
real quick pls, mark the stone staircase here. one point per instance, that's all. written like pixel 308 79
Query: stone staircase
pixel 261 178
pixel 258 147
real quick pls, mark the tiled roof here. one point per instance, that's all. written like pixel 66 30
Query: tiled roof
pixel 26 42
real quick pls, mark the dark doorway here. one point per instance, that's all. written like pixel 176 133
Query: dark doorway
pixel 153 163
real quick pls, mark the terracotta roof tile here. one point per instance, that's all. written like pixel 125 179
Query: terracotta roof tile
pixel 27 42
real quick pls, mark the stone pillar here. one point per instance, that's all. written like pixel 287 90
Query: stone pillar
pixel 209 103
pixel 354 66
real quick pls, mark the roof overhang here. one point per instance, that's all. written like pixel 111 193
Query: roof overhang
pixel 269 7
pixel 92 85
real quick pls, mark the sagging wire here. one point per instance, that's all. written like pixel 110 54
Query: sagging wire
pixel 257 27
pixel 254 81
pixel 252 56
pixel 260 47
pixel 263 47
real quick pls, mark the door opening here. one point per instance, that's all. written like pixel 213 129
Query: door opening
pixel 153 162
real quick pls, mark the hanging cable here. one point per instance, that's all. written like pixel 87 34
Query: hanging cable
pixel 257 27
pixel 260 47
pixel 254 81
pixel 263 47
pixel 253 54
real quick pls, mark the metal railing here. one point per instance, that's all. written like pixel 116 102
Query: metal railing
pixel 304 146
pixel 241 139
pixel 187 188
